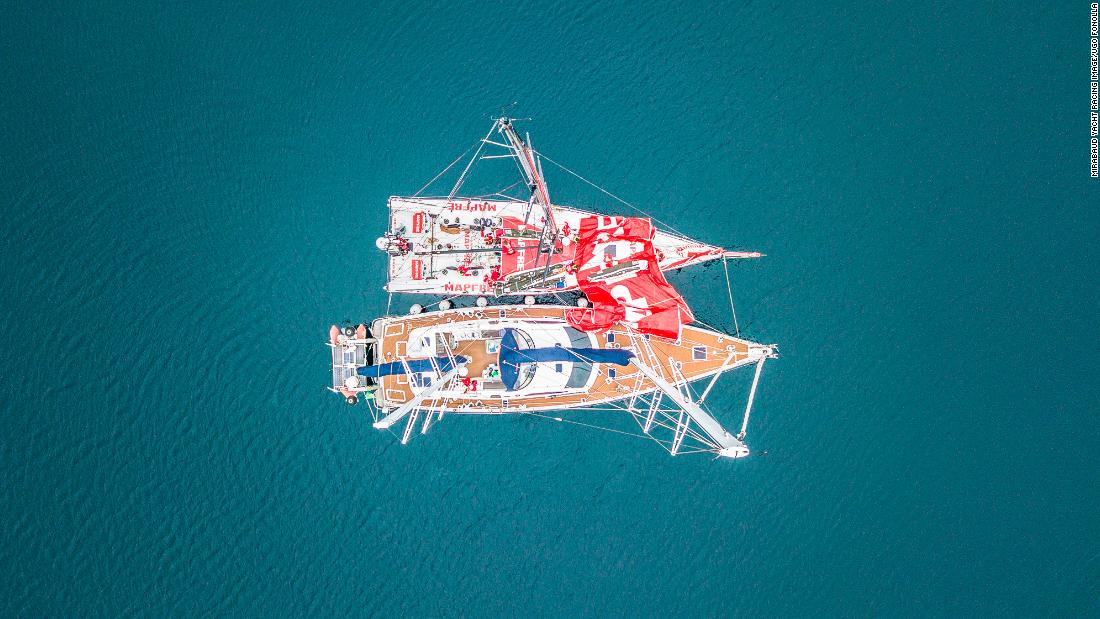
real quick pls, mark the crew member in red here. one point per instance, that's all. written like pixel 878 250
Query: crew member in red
pixel 491 236
pixel 493 276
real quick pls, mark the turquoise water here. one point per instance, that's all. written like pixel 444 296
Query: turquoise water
pixel 190 196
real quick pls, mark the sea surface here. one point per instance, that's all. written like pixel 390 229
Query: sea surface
pixel 191 192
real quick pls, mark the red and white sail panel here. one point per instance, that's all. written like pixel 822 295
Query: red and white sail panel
pixel 618 269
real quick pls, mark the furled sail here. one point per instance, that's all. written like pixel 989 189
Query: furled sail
pixel 442 364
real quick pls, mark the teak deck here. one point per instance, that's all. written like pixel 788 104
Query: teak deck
pixel 392 334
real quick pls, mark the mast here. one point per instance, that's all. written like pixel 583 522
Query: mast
pixel 531 167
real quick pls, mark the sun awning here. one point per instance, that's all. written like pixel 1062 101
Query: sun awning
pixel 512 356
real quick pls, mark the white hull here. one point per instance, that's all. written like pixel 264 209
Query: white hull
pixel 448 253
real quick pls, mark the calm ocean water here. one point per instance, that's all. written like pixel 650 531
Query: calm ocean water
pixel 190 195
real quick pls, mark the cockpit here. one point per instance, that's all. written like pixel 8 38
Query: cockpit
pixel 515 357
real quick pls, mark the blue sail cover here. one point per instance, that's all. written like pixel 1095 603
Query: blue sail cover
pixel 511 357
pixel 415 365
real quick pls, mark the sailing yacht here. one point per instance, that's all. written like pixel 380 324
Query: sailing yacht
pixel 498 244
pixel 630 344
pixel 521 359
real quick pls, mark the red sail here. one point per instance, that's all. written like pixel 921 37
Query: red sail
pixel 617 269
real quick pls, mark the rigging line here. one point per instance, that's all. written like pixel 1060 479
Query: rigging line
pixel 621 406
pixel 714 328
pixel 673 426
pixel 691 432
pixel 451 165
pixel 424 201
pixel 729 290
pixel 373 410
pixel 598 409
pixel 501 192
pixel 480 146
pixel 689 451
pixel 588 425
pixel 594 185
pixel 506 412
pixel 668 299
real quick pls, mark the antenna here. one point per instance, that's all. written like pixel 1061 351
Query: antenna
pixel 504 109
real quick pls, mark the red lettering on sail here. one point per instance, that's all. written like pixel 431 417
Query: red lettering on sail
pixel 617 269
